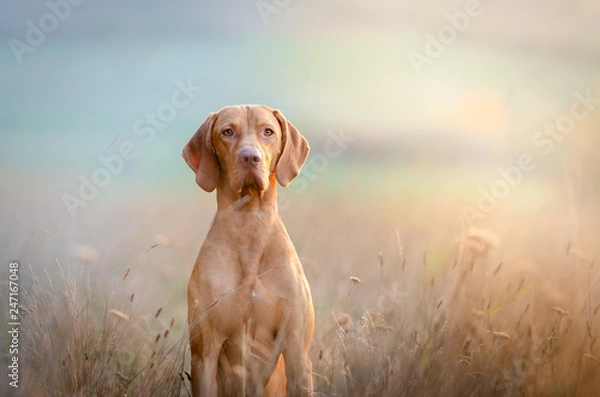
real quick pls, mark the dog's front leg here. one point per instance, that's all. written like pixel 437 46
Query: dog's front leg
pixel 204 371
pixel 298 369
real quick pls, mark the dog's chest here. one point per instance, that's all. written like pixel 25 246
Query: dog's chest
pixel 249 267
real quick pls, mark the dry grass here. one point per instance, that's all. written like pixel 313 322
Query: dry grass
pixel 81 342
pixel 408 302
pixel 468 331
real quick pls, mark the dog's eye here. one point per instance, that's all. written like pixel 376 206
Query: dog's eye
pixel 228 132
pixel 268 132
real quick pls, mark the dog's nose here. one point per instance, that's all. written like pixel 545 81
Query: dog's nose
pixel 250 156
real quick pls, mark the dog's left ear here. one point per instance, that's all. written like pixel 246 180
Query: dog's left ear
pixel 199 154
pixel 294 150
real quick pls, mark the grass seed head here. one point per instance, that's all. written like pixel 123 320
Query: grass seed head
pixel 119 314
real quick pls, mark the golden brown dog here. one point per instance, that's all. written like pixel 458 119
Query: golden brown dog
pixel 250 310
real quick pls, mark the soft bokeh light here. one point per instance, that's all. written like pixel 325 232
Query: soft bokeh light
pixel 431 132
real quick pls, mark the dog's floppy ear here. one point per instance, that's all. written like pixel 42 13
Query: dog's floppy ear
pixel 294 150
pixel 199 154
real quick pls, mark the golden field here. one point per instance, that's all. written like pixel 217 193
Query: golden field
pixel 410 297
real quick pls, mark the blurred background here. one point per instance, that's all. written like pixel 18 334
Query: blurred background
pixel 411 108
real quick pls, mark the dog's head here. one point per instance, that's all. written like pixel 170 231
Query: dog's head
pixel 246 147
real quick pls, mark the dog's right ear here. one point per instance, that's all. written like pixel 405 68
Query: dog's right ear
pixel 199 154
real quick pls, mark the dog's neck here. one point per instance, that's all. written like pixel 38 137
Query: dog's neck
pixel 249 219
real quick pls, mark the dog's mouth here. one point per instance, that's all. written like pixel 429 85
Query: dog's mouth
pixel 252 181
